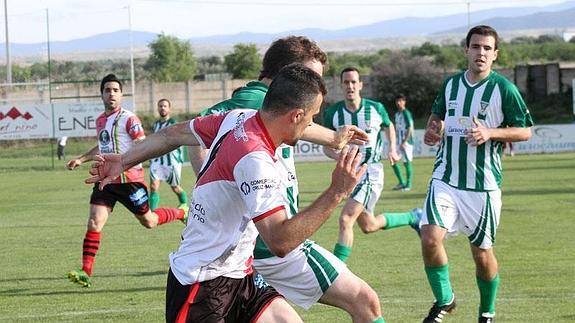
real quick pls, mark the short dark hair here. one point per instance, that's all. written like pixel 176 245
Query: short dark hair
pixel 163 99
pixel 288 50
pixel 110 78
pixel 295 86
pixel 482 30
pixel 349 69
pixel 400 96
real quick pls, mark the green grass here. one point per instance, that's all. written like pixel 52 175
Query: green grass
pixel 43 216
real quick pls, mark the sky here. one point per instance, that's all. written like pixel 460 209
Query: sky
pixel 73 19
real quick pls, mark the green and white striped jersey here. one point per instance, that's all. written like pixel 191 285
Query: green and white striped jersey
pixel 370 117
pixel 403 121
pixel 497 103
pixel 176 156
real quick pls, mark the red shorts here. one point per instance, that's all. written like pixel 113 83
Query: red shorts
pixel 218 300
pixel 134 196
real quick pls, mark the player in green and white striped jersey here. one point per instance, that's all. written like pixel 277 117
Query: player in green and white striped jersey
pixel 167 167
pixel 475 112
pixel 370 116
pixel 404 134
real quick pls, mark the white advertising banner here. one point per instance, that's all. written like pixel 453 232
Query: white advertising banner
pixel 32 121
pixel 76 120
pixel 39 121
pixel 544 139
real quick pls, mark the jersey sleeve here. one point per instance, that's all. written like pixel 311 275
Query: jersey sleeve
pixel 515 112
pixel 260 185
pixel 385 121
pixel 439 104
pixel 205 129
pixel 134 128
pixel 328 117
pixel 408 118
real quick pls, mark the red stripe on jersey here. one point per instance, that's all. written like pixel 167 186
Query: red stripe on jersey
pixel 183 313
pixel 268 213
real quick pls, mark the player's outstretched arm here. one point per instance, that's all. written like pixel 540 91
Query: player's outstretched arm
pixel 282 235
pixel 157 144
pixel 335 139
pixel 88 156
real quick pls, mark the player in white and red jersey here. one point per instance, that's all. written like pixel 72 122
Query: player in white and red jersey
pixel 252 172
pixel 117 131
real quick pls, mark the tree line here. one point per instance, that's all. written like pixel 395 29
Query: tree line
pixel 415 71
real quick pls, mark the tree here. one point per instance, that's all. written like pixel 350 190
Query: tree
pixel 244 62
pixel 413 76
pixel 171 60
pixel 426 49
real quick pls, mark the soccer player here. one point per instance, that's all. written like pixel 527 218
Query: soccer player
pixel 240 193
pixel 404 135
pixel 474 114
pixel 168 167
pixel 295 275
pixel 370 116
pixel 117 131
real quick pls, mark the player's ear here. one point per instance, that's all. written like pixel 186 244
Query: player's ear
pixel 297 115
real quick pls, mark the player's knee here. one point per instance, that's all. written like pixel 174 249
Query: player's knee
pixel 430 242
pixel 346 221
pixel 369 300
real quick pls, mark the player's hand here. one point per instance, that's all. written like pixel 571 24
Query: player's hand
pixel 105 169
pixel 432 134
pixel 393 157
pixel 349 134
pixel 478 134
pixel 347 172
pixel 73 164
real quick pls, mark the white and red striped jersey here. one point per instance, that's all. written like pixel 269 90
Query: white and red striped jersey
pixel 240 183
pixel 117 133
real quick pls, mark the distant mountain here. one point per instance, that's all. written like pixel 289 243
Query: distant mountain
pixel 541 20
pixel 559 16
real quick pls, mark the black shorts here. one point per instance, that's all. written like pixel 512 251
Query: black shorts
pixel 218 300
pixel 134 196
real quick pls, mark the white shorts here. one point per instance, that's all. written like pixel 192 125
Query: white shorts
pixel 169 174
pixel 476 214
pixel 303 275
pixel 368 191
pixel 406 154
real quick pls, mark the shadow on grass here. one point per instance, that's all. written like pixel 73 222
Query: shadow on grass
pixel 78 290
pixel 63 277
pixel 538 192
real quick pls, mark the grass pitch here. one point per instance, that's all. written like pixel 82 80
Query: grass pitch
pixel 43 216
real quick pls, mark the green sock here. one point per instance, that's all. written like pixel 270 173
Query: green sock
pixel 398 174
pixel 488 294
pixel 408 172
pixel 341 251
pixel 154 200
pixel 379 320
pixel 394 220
pixel 183 197
pixel 438 278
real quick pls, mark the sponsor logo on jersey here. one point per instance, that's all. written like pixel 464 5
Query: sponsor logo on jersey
pixel 197 212
pixel 245 188
pixel 264 183
pixel 291 176
pixel 452 105
pixel 239 131
pixel 460 129
pixel 139 197
pixel 136 127
pixel 104 137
